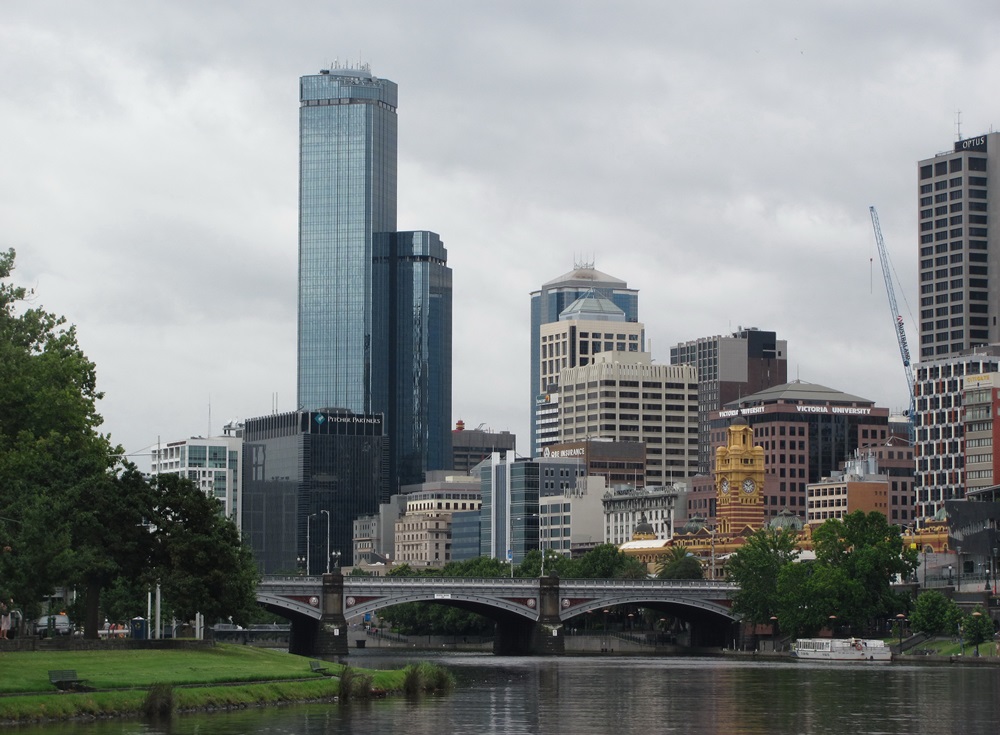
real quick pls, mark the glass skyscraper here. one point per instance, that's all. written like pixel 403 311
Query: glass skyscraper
pixel 347 193
pixel 374 329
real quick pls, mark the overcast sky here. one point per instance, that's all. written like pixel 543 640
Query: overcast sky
pixel 718 156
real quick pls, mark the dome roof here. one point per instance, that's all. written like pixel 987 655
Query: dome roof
pixel 694 524
pixel 786 519
pixel 644 528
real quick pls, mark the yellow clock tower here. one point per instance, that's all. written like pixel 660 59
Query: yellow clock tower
pixel 739 481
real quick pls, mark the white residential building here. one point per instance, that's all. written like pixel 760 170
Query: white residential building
pixel 214 464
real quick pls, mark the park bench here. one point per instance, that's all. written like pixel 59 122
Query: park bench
pixel 66 679
pixel 318 666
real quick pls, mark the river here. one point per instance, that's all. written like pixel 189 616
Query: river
pixel 630 695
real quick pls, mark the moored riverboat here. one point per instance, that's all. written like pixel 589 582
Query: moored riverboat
pixel 842 649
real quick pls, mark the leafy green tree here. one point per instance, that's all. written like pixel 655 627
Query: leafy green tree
pixel 482 567
pixel 555 564
pixel 977 627
pixel 808 596
pixel 107 522
pixel 49 443
pixel 756 567
pixel 679 564
pixel 606 561
pixel 935 614
pixel 198 557
pixel 871 553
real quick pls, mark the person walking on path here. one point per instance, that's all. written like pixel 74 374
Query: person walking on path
pixel 5 620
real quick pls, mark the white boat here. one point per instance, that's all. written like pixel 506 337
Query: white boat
pixel 842 649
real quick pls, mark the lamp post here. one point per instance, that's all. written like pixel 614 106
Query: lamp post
pixel 993 569
pixel 900 619
pixel 976 615
pixel 959 550
pixel 308 550
pixel 774 633
pixel 327 539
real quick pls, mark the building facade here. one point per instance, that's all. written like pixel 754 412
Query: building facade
pixel 739 481
pixel 307 475
pixel 625 507
pixel 511 491
pixel 959 252
pixel 423 533
pixel 981 431
pixel 215 465
pixel 939 433
pixel 745 362
pixel 625 397
pixel 374 321
pixel 469 447
pixel 858 487
pixel 807 432
pixel 619 463
pixel 551 300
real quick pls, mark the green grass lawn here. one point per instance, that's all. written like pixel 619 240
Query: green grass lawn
pixel 951 647
pixel 222 675
pixel 28 671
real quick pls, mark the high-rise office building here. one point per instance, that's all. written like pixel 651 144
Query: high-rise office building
pixel 374 329
pixel 552 299
pixel 306 477
pixel 940 425
pixel 626 397
pixel 747 361
pixel 958 302
pixel 411 365
pixel 588 327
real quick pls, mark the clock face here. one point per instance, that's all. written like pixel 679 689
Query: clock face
pixel 748 486
pixel 724 486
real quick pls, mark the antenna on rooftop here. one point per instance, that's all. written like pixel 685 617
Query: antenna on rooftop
pixel 958 124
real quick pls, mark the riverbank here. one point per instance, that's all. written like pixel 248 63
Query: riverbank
pixel 127 683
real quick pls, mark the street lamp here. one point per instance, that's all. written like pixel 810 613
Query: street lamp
pixel 993 569
pixel 959 550
pixel 900 619
pixel 774 633
pixel 977 615
pixel 308 550
pixel 327 539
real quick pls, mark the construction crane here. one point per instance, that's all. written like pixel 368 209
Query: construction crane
pixel 897 318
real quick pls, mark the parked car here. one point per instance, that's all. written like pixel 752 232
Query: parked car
pixel 60 625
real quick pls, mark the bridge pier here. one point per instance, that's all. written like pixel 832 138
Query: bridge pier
pixel 518 636
pixel 331 638
pixel 548 638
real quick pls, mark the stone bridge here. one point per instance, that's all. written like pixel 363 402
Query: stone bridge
pixel 529 613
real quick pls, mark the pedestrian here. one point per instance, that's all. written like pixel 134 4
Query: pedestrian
pixel 5 620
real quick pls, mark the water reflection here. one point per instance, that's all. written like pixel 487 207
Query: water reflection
pixel 600 695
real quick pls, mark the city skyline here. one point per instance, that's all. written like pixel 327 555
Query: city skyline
pixel 151 195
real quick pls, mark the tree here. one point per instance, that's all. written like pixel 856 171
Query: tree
pixel 935 614
pixel 74 514
pixel 756 567
pixel 977 627
pixel 49 444
pixel 198 558
pixel 606 561
pixel 679 564
pixel 871 553
pixel 109 539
